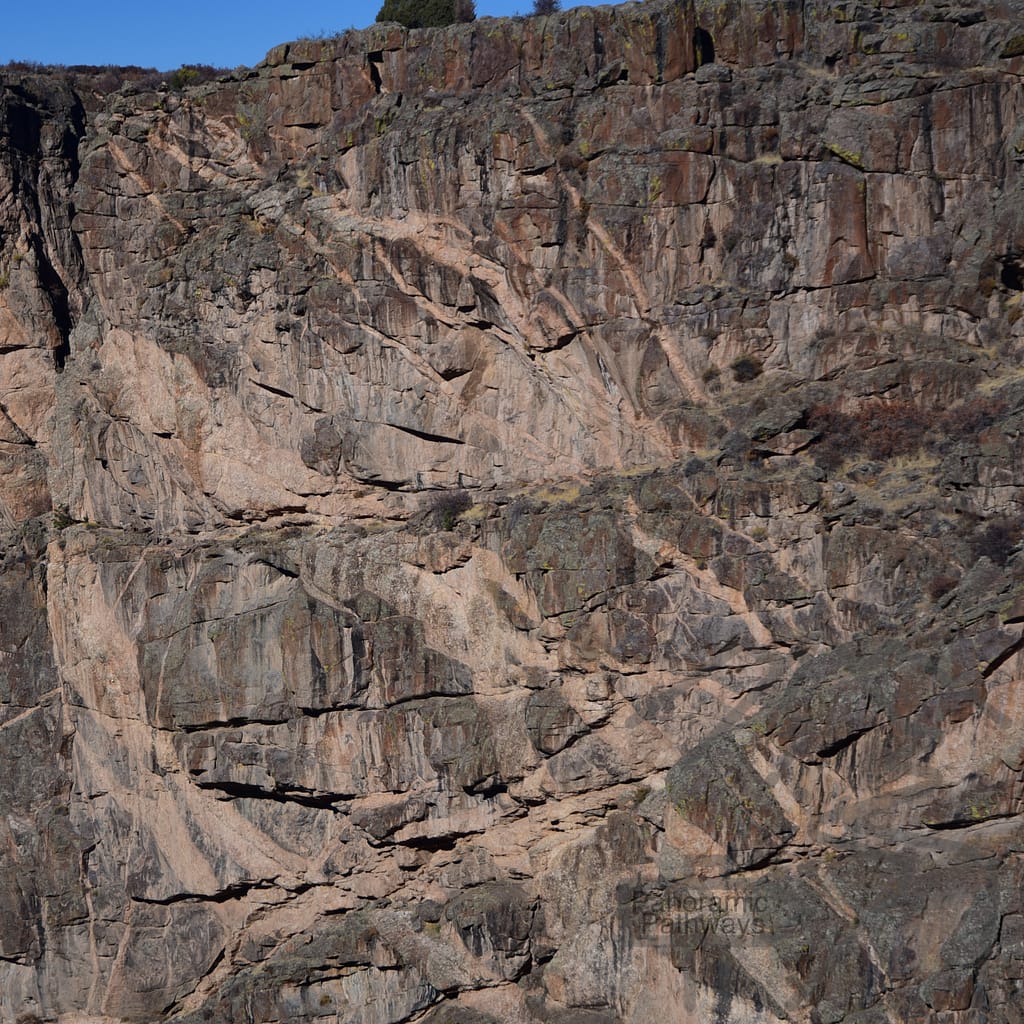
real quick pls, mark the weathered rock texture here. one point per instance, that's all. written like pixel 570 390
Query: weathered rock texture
pixel 703 703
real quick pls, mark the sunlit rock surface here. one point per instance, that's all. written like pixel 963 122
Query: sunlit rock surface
pixel 520 523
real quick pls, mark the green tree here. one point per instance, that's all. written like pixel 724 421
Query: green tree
pixel 427 13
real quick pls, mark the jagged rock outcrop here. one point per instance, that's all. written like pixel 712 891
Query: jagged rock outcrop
pixel 520 522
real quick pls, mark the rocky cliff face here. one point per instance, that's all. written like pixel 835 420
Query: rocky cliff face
pixel 519 523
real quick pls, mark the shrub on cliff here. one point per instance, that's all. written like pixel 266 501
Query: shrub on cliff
pixel 546 6
pixel 882 429
pixel 193 74
pixel 996 540
pixel 427 13
pixel 878 429
pixel 746 368
pixel 448 506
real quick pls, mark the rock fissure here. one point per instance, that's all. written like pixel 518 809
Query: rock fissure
pixel 241 790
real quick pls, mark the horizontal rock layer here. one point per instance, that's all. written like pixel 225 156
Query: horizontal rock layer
pixel 519 522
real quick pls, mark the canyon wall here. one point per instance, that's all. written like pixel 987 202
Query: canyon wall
pixel 520 522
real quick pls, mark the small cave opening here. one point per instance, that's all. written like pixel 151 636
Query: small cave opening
pixel 376 61
pixel 1012 273
pixel 703 48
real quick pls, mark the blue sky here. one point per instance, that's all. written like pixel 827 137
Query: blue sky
pixel 165 35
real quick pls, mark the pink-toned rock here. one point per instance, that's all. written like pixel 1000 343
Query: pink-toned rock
pixel 518 522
